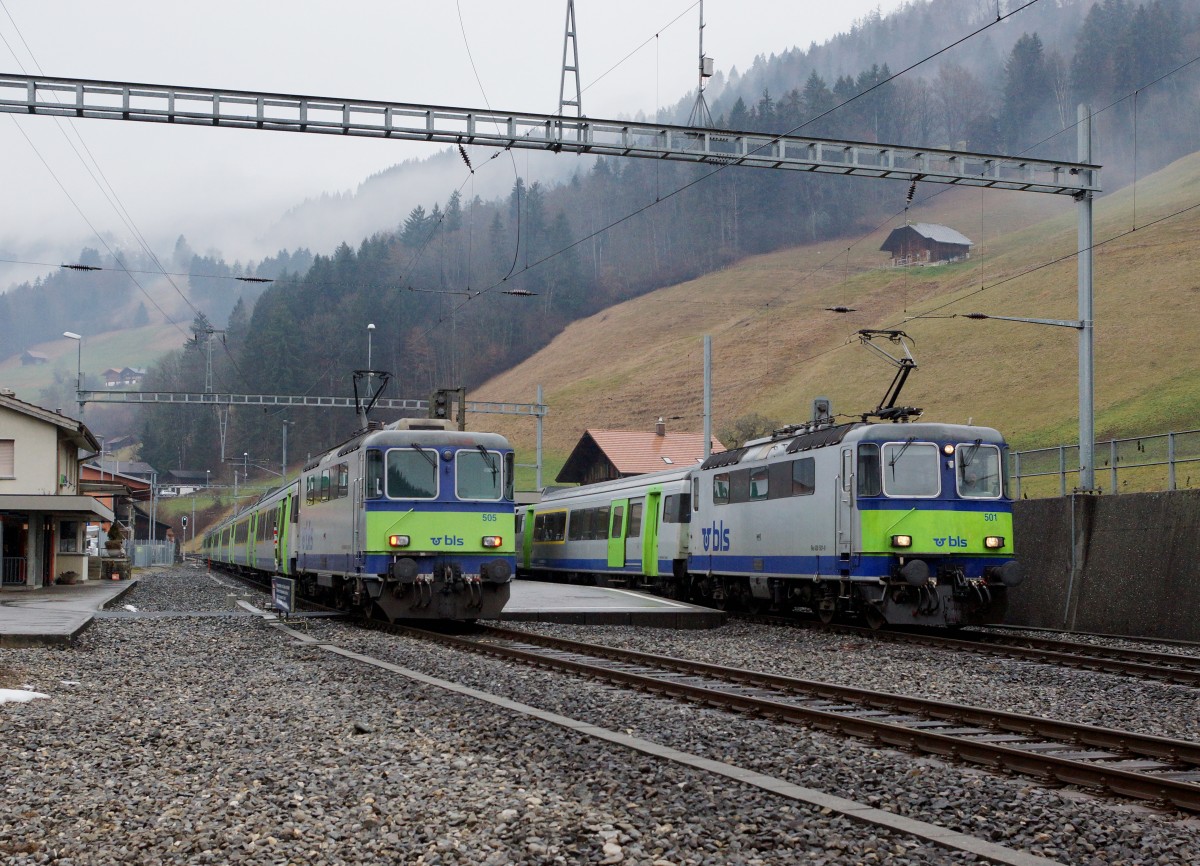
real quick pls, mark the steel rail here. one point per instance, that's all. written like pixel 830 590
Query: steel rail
pixel 862 719
pixel 1168 667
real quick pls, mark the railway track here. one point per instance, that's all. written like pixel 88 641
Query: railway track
pixel 1158 769
pixel 1147 664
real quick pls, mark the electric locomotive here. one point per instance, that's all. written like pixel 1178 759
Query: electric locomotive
pixel 413 520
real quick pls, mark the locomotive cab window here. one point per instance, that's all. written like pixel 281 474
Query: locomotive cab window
pixel 758 483
pixel 374 474
pixel 910 469
pixel 479 474
pixel 977 471
pixel 868 469
pixel 412 473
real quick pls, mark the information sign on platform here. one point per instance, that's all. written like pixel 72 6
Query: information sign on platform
pixel 283 594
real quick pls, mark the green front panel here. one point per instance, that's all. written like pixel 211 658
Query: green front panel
pixel 616 541
pixel 958 532
pixel 650 531
pixel 454 532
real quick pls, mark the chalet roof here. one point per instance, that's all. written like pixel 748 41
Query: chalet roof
pixel 75 430
pixel 930 231
pixel 634 452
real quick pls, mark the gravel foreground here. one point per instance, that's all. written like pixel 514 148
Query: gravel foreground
pixel 221 740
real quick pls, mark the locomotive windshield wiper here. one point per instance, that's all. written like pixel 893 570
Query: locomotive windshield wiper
pixel 970 455
pixel 488 458
pixel 892 463
pixel 424 453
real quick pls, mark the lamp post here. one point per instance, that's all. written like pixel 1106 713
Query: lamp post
pixel 78 338
pixel 283 462
pixel 1087 409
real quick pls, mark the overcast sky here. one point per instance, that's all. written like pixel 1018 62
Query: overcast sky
pixel 178 179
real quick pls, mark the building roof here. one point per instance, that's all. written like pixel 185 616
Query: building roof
pixel 76 431
pixel 931 231
pixel 635 452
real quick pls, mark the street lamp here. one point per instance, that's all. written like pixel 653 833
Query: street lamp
pixel 78 338
pixel 1087 409
pixel 283 466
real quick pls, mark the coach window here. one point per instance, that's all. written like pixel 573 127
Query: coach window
pixel 412 474
pixel 868 469
pixel 343 476
pixel 599 530
pixel 635 519
pixel 549 526
pixel 577 524
pixel 618 521
pixel 374 474
pixel 721 488
pixel 758 483
pixel 677 508
pixel 910 469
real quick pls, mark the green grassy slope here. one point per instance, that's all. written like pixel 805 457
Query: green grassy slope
pixel 775 347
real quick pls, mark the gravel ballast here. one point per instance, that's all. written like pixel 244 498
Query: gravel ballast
pixel 221 740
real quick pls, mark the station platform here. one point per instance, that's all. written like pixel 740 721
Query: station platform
pixel 537 601
pixel 54 615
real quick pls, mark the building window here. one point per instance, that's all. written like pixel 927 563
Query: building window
pixel 68 536
pixel 8 462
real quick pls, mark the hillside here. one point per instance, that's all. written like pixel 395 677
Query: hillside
pixel 775 347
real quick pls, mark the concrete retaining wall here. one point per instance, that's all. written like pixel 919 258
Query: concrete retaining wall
pixel 1127 564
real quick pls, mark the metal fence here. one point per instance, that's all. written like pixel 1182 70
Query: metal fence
pixel 13 570
pixel 1167 461
pixel 144 553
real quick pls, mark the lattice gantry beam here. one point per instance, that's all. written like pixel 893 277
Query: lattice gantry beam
pixel 285 400
pixel 109 100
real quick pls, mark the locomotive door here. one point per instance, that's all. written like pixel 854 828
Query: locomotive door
pixel 616 533
pixel 845 504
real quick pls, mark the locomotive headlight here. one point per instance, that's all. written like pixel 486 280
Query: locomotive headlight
pixel 994 542
pixel 399 540
pixel 492 541
pixel 901 541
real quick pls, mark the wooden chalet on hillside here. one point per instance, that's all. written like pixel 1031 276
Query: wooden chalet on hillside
pixel 605 455
pixel 926 243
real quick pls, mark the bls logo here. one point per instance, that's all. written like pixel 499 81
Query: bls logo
pixel 716 537
pixel 447 541
pixel 951 541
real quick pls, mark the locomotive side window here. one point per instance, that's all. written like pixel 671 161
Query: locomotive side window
pixel 804 477
pixel 910 469
pixel 868 470
pixel 739 486
pixel 324 485
pixel 310 487
pixel 758 483
pixel 478 475
pixel 695 494
pixel 510 475
pixel 721 488
pixel 374 474
pixel 977 471
pixel 411 474
pixel 343 480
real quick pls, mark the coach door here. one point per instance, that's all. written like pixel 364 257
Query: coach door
pixel 845 503
pixel 616 533
pixel 650 518
pixel 527 536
